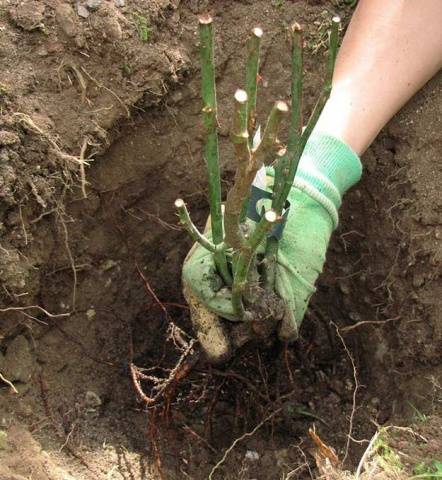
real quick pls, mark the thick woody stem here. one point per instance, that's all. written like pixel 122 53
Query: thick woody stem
pixel 244 173
pixel 244 260
pixel 191 229
pixel 270 144
pixel 211 152
pixel 248 163
pixel 253 47
pixel 240 135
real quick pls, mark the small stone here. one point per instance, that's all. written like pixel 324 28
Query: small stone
pixel 3 439
pixel 65 17
pixel 8 138
pixel 370 161
pixel 92 400
pixel 112 29
pixel 345 289
pixel 418 280
pixel 42 51
pixel 177 97
pixel 28 14
pixel 18 361
pixel 252 456
pixel 82 11
pixel 108 264
pixel 93 5
pixel 337 386
pixel 120 3
pixel 333 399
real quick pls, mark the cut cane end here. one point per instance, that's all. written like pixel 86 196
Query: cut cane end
pixel 271 216
pixel 179 203
pixel 257 32
pixel 282 106
pixel 296 28
pixel 336 19
pixel 205 19
pixel 241 96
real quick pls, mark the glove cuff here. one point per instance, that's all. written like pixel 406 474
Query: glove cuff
pixel 330 166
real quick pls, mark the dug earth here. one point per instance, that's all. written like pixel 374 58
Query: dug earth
pixel 100 132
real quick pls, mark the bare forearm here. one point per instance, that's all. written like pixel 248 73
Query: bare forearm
pixel 391 49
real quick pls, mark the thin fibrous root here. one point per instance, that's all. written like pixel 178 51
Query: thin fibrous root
pixel 9 383
pixel 27 121
pixel 242 437
pixel 80 78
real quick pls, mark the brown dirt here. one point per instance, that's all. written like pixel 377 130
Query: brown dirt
pixel 66 79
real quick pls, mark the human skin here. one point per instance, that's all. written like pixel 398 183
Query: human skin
pixel 390 50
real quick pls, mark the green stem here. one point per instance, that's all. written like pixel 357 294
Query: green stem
pixel 333 49
pixel 244 260
pixel 269 144
pixel 211 151
pixel 295 155
pixel 266 151
pixel 252 69
pixel 253 47
pixel 244 173
pixel 286 169
pixel 191 229
pixel 289 160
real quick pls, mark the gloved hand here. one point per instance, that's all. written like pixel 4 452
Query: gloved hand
pixel 327 169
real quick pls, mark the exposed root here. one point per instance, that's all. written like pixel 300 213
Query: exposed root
pixel 30 307
pixel 163 388
pixel 8 382
pixel 323 451
pixel 239 439
pixel 37 196
pixel 366 455
pixel 66 65
pixel 71 260
pixel 79 162
pixel 82 169
pixel 369 322
pixel 27 121
pixel 355 392
pixel 100 85
pixel 59 431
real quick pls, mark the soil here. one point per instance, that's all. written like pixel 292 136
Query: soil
pixel 101 100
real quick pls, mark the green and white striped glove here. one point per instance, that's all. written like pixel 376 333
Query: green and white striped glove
pixel 327 169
